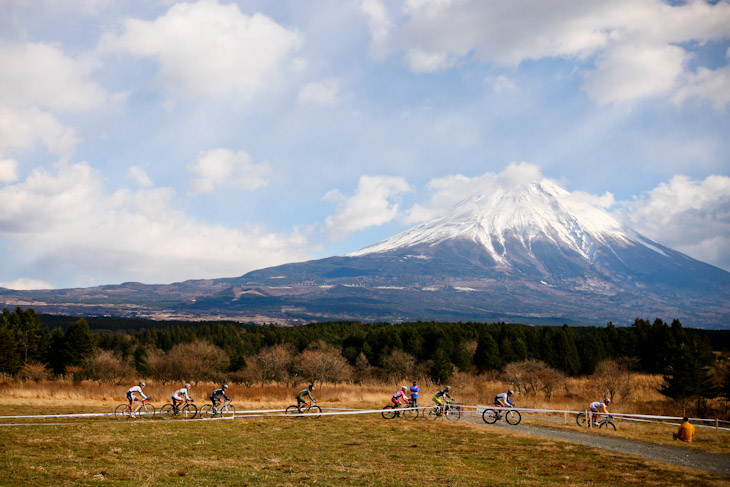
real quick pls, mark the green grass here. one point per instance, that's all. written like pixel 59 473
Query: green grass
pixel 331 451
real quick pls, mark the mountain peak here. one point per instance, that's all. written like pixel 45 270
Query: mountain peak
pixel 525 213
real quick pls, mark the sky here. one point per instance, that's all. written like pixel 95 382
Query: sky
pixel 161 141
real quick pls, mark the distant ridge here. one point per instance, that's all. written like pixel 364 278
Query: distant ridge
pixel 535 254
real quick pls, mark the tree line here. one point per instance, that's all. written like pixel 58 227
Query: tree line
pixel 353 350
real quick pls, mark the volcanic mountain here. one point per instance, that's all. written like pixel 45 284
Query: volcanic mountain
pixel 537 254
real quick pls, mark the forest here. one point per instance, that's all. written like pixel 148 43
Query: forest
pixel 694 362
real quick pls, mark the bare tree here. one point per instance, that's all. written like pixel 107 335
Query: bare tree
pixel 533 376
pixel 273 363
pixel 108 367
pixel 324 363
pixel 398 366
pixel 613 378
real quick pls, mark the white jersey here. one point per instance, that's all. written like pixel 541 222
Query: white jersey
pixel 595 406
pixel 136 390
pixel 182 393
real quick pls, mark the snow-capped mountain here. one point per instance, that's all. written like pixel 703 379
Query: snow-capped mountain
pixel 536 254
pixel 542 211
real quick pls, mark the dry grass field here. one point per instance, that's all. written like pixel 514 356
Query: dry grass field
pixel 340 450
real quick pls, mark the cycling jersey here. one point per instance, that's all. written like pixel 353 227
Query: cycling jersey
pixel 180 394
pixel 397 396
pixel 503 397
pixel 595 406
pixel 302 393
pixel 216 394
pixel 135 390
pixel 443 392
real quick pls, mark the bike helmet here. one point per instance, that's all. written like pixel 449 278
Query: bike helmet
pixel 607 401
pixel 224 386
pixel 310 387
pixel 510 391
pixel 187 385
pixel 448 388
pixel 142 384
pixel 403 388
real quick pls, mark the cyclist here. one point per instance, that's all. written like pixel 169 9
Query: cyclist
pixel 132 396
pixel 216 395
pixel 414 394
pixel 598 404
pixel 400 396
pixel 441 396
pixel 302 393
pixel 502 400
pixel 181 395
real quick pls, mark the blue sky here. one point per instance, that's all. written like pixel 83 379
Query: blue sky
pixel 160 141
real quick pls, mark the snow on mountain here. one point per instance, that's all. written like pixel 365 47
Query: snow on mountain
pixel 542 210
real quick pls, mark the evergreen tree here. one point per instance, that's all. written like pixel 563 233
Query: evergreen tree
pixel 442 368
pixel 78 344
pixel 688 376
pixel 140 361
pixel 487 355
pixel 9 355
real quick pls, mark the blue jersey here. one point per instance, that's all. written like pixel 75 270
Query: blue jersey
pixel 414 391
pixel 218 393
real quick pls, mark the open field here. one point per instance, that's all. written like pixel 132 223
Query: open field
pixel 332 451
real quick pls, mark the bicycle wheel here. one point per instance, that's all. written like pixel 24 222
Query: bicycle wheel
pixel 453 413
pixel 167 412
pixel 122 411
pixel 513 417
pixel 409 413
pixel 207 411
pixel 388 412
pixel 581 419
pixel 189 411
pixel 228 411
pixel 314 412
pixel 489 416
pixel 608 425
pixel 434 412
pixel 292 412
pixel 146 411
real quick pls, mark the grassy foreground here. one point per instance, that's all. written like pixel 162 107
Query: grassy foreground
pixel 331 451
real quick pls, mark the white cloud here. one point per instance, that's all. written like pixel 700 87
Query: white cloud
pixel 140 176
pixel 638 47
pixel 374 203
pixel 210 49
pixel 225 168
pixel 324 92
pixel 8 171
pixel 629 71
pixel 380 26
pixel 448 191
pixel 69 226
pixel 713 85
pixel 692 216
pixel 43 76
pixel 26 284
pixel 24 128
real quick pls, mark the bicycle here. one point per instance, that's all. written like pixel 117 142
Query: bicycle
pixel 491 416
pixel 188 411
pixel 603 423
pixel 390 411
pixel 312 411
pixel 452 411
pixel 225 410
pixel 144 410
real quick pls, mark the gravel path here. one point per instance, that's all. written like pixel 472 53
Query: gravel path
pixel 709 462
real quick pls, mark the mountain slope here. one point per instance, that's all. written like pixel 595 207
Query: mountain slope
pixel 536 255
